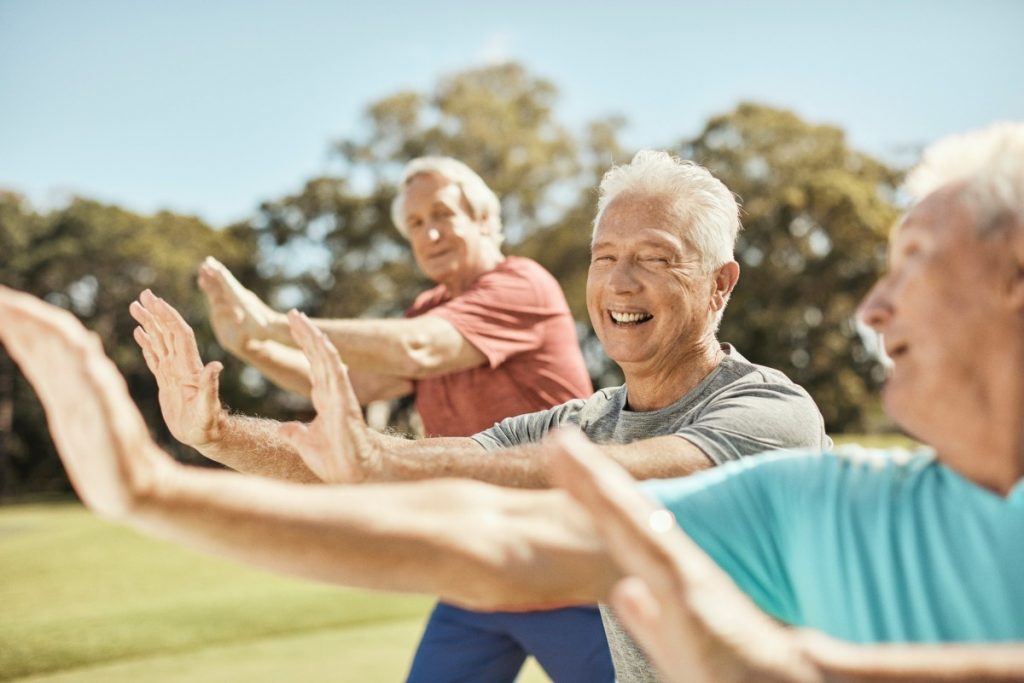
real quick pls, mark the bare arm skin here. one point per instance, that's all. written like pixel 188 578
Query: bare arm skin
pixel 190 402
pixel 473 544
pixel 368 456
pixel 695 623
pixel 288 368
pixel 406 348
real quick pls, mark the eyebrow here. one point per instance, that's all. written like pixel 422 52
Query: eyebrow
pixel 655 244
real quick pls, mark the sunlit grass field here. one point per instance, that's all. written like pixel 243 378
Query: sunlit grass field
pixel 86 601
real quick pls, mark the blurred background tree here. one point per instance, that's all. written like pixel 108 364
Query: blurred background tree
pixel 816 216
pixel 94 259
pixel 816 213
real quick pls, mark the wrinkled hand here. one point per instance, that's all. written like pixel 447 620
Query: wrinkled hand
pixel 236 314
pixel 690 618
pixel 98 431
pixel 189 391
pixel 337 445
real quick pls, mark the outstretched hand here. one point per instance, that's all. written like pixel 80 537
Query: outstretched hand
pixel 237 315
pixel 690 618
pixel 189 391
pixel 99 433
pixel 337 445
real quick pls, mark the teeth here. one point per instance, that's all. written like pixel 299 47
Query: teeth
pixel 629 317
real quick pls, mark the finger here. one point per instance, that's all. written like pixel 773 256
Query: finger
pixel 146 344
pixel 302 331
pixel 181 334
pixel 635 603
pixel 211 284
pixel 209 387
pixel 641 611
pixel 144 316
pixel 158 309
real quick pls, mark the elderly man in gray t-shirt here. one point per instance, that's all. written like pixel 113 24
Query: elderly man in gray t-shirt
pixel 661 273
pixel 737 410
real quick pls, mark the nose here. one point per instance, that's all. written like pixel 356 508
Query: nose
pixel 433 234
pixel 622 279
pixel 875 310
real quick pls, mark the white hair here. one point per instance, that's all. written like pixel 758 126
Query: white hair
pixel 482 201
pixel 990 165
pixel 707 211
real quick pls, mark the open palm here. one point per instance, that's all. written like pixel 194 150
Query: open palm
pixel 189 391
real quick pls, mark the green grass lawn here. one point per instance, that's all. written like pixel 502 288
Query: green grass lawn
pixel 83 600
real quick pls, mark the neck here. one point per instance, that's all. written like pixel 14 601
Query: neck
pixel 490 257
pixel 987 447
pixel 653 387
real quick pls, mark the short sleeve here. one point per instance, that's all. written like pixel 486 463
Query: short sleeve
pixel 735 514
pixel 503 313
pixel 530 428
pixel 747 418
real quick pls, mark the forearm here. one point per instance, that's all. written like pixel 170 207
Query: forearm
pixel 374 345
pixel 254 446
pixel 464 458
pixel 469 543
pixel 411 349
pixel 842 662
pixel 285 366
pixel 527 466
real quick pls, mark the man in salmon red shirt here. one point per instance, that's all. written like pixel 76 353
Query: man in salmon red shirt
pixel 493 339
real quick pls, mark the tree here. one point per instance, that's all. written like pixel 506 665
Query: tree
pixel 816 214
pixel 94 259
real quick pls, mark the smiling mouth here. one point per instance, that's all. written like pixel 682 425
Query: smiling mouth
pixel 623 319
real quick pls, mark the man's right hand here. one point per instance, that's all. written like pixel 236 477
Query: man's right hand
pixel 337 445
pixel 237 315
pixel 189 391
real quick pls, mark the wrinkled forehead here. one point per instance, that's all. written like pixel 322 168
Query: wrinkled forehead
pixel 423 190
pixel 634 212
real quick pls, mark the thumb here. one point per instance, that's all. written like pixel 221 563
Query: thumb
pixel 297 436
pixel 209 385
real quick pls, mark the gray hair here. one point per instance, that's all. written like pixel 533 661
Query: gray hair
pixel 706 209
pixel 990 165
pixel 481 199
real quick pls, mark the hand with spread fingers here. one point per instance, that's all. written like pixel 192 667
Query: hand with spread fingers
pixel 337 445
pixel 99 433
pixel 237 315
pixel 189 391
pixel 689 616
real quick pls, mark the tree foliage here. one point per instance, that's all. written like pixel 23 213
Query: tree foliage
pixel 816 214
pixel 94 259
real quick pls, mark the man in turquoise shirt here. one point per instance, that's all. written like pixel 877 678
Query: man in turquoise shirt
pixel 851 551
pixel 863 546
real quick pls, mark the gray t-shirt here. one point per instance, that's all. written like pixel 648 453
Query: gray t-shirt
pixel 739 409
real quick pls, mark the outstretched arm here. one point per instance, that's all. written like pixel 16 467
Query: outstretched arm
pixel 407 349
pixel 487 547
pixel 696 624
pixel 364 455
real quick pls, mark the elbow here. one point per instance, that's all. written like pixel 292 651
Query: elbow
pixel 419 358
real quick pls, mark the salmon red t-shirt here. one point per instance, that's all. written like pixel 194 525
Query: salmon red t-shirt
pixel 517 316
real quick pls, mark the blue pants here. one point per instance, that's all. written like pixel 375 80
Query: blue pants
pixel 462 646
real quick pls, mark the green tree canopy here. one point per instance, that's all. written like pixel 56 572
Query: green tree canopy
pixel 94 259
pixel 816 214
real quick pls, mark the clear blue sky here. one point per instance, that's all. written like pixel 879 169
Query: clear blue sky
pixel 211 106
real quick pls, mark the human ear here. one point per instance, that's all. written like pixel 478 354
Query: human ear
pixel 725 281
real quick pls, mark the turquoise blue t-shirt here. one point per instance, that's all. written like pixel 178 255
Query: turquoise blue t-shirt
pixel 867 546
